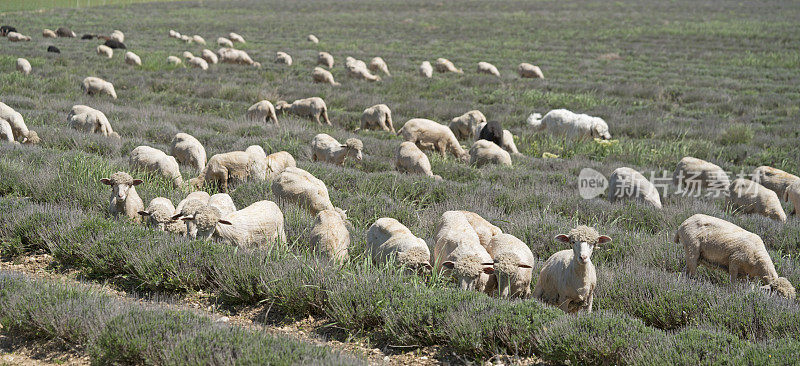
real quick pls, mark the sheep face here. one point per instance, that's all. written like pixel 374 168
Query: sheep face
pixel 354 147
pixel 470 273
pixel 280 107
pixel 205 220
pixel 120 183
pixel 583 240
pixel 782 286
pixel 600 129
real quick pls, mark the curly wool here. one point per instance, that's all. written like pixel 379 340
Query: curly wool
pixel 507 263
pixel 414 257
pixel 783 287
pixel 121 178
pixel 160 213
pixel 207 218
pixel 584 233
pixel 354 143
pixel 469 266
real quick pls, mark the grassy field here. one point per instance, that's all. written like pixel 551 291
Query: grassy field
pixel 22 5
pixel 711 79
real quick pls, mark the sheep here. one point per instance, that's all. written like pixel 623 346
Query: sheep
pixel 325 59
pixel 201 196
pixel 445 65
pixel 320 75
pixel 232 56
pixel 19 129
pixel 53 49
pixel 507 140
pixel 388 239
pixel 411 160
pixel 48 33
pixel 227 169
pixel 235 37
pixel 283 58
pixel 326 149
pixel 172 60
pixel 313 108
pixel 485 230
pixel 6 134
pixel 18 37
pixel 774 179
pixel 105 51
pixel 259 224
pixel 186 38
pixel 485 152
pixel 377 117
pixel 458 249
pixel 222 41
pixel 429 135
pixel 124 199
pixel 330 237
pixel 150 159
pixel 491 131
pixel 513 266
pixel 751 197
pixel 717 243
pixel 197 39
pixel 792 194
pixel 426 70
pixel 262 111
pixel 526 70
pixel 377 64
pixel 300 187
pixel 92 85
pixel 361 73
pixel 187 207
pixel 87 119
pixel 174 34
pixel 209 56
pixel 568 278
pixel 88 36
pixel 6 29
pixel 188 150
pixel 159 215
pixel 132 59
pixel 187 55
pixel 277 162
pixel 312 38
pixel 351 62
pixel 223 203
pixel 198 63
pixel 463 126
pixel 112 43
pixel 625 182
pixel 65 32
pixel 561 122
pixel 118 36
pixel 487 68
pixel 694 173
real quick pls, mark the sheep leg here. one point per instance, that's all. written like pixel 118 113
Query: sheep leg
pixel 589 303
pixel 325 117
pixel 692 256
pixel 733 271
pixel 274 119
pixel 563 303
pixel 441 148
pixel 390 124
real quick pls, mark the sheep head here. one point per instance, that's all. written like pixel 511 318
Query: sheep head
pixel 121 183
pixel 470 272
pixel 354 147
pixel 600 129
pixel 782 286
pixel 280 106
pixel 32 138
pixel 583 240
pixel 205 220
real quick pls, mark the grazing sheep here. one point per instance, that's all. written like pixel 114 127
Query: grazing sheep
pixel 65 32
pixel 561 122
pixel 88 36
pixel 6 134
pixel 568 278
pixel 283 58
pixel 222 41
pixel 491 131
pixel 388 239
pixel 150 159
pixel 377 64
pixel 92 85
pixel 312 38
pixel 507 142
pixel 17 37
pixel 259 224
pixel 197 39
pixel 513 266
pixel 132 59
pixel 262 111
pixel 411 160
pixel 445 65
pixel 186 38
pixel 187 55
pixel 377 117
pixel 298 186
pixel 187 207
pixel 117 36
pixel 426 70
pixel 320 75
pixel 53 49
pixel 124 199
pixel 526 70
pixel 48 33
pixel 223 203
pixel 87 119
pixel 325 59
pixel 485 152
pixel 226 169
pixel 487 68
pixel 326 149
pixel 352 62
pixel 277 163
pixel 232 56
pixel 173 60
pixel 313 108
pixel 209 56
pixel 429 135
pixel 330 237
pixel 159 215
pixel 792 194
pixel 361 73
pixel 717 243
pixel 458 249
pixel 112 43
pixel 23 66
pixel 694 174
pixel 20 131
pixel 188 150
pixel 235 37
pixel 463 126
pixel 6 29
pixel 174 34
pixel 198 63
pixel 625 182
pixel 752 198
pixel 774 179
pixel 485 230
pixel 105 51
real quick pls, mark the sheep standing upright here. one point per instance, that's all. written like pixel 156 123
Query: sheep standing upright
pixel 564 123
pixel 445 65
pixel 262 111
pixel 20 130
pixel 377 117
pixel 312 38
pixel 693 173
pixel 325 148
pixel 222 41
pixel 228 169
pixel 283 58
pixel 458 249
pixel 236 37
pixel 410 159
pixel 377 64
pixel 87 119
pixel 105 51
pixel 513 266
pixel 124 199
pixel 320 75
pixel 463 126
pixel 154 160
pixel 313 108
pixel 188 150
pixel 93 85
pixel 526 70
pixel 300 187
pixel 209 56
pixel 259 224
pixel 487 68
pixel 330 237
pixel 132 59
pixel 752 198
pixel 429 135
pixel 388 239
pixel 568 278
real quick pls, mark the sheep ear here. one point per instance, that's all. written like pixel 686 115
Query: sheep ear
pixel 562 238
pixel 178 216
pixel 144 213
pixel 224 222
pixel 524 266
pixel 427 266
pixel 187 218
pixel 488 270
pixel 603 239
pixel 448 265
pixel 106 181
pixel 137 182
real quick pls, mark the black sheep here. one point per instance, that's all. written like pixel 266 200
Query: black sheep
pixel 88 36
pixel 53 49
pixel 6 29
pixel 115 44
pixel 493 132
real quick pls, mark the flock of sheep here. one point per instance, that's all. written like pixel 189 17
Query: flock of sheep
pixel 477 254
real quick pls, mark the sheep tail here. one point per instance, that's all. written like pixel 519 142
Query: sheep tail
pixel 535 120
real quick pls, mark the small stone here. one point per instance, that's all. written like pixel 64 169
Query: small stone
pixel 223 319
pixel 423 358
pixel 386 358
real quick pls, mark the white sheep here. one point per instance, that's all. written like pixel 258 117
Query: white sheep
pixel 23 66
pixel 226 169
pixel 485 152
pixel 159 214
pixel 87 119
pixel 300 187
pixel 410 159
pixel 186 38
pixel 232 56
pixel 388 239
pixel 283 58
pixel 354 63
pixel 485 230
pixel 174 34
pixel 197 39
pixel 262 111
pixel 513 266
pixel 774 179
pixel 312 38
pixel 507 140
pixel 209 56
pixel 526 70
pixel 487 68
pixel 330 237
pixel 377 117
pixel 445 65
pixel 124 199
pixel 320 75
pixel 425 69
pixel 117 35
pixel 313 108
pixel 20 131
pixel 150 159
pixel 198 63
pixel 750 197
pixel 132 59
pixel 222 41
pixel 188 150
pixel 325 59
pixel 717 243
pixel 223 202
pixel 105 51
pixel 430 135
pixel 92 85
pixel 187 207
pixel 48 33
pixel 235 37
pixel 173 60
pixel 377 64
pixel 625 183
pixel 693 174
pixel 326 149
pixel 563 123
pixel 259 224
pixel 187 55
pixel 17 37
pixel 356 71
pixel 792 194
pixel 277 163
pixel 458 249
pixel 568 278
pixel 465 125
